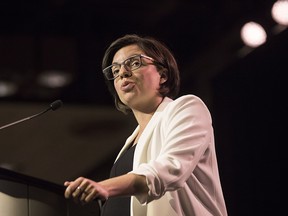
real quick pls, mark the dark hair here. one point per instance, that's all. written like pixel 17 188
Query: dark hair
pixel 153 48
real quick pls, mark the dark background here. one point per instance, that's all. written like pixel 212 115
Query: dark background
pixel 245 89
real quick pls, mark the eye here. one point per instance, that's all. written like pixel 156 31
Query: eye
pixel 115 70
pixel 135 63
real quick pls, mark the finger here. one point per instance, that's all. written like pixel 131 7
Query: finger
pixel 83 196
pixel 83 188
pixel 77 192
pixel 72 190
pixel 86 190
pixel 68 192
pixel 72 187
pixel 67 183
pixel 90 196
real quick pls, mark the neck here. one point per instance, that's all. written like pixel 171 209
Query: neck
pixel 144 114
pixel 143 118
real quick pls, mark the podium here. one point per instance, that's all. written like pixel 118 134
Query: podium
pixel 22 195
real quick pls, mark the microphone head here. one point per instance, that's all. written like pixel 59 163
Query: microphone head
pixel 56 105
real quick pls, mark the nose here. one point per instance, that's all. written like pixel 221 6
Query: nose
pixel 124 73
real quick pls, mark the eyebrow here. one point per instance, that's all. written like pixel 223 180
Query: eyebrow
pixel 127 58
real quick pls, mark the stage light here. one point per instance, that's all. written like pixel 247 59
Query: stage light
pixel 54 79
pixel 7 88
pixel 253 34
pixel 280 12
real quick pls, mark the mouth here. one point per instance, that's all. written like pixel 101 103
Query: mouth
pixel 127 86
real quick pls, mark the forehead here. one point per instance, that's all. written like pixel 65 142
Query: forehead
pixel 126 52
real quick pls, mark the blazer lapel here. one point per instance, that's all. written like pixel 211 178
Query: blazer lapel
pixel 141 148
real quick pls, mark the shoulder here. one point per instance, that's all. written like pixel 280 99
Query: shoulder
pixel 187 105
pixel 189 99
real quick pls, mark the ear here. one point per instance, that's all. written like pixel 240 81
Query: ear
pixel 163 77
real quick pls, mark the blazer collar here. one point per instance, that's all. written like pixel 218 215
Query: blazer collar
pixel 147 131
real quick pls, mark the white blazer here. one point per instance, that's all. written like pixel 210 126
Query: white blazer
pixel 177 155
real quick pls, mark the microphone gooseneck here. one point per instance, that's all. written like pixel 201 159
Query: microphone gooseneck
pixel 53 106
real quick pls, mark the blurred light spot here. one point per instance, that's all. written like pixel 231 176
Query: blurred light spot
pixel 7 88
pixel 54 79
pixel 280 12
pixel 253 34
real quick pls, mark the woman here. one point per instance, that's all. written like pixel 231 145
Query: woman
pixel 168 166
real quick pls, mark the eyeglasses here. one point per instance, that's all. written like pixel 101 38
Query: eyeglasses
pixel 132 63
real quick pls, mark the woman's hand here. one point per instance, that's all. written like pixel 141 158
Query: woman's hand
pixel 85 190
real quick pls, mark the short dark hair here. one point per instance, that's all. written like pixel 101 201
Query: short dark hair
pixel 153 48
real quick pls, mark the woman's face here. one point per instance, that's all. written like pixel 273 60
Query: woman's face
pixel 138 89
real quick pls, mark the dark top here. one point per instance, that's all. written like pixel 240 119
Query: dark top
pixel 120 205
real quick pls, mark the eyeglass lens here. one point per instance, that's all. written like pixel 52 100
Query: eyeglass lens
pixel 130 64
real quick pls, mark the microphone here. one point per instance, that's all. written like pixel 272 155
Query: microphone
pixel 53 106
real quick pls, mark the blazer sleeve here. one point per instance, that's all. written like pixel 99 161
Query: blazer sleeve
pixel 184 132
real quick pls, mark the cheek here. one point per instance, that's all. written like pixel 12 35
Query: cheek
pixel 153 80
pixel 116 86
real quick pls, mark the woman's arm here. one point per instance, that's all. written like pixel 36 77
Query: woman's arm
pixel 86 190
